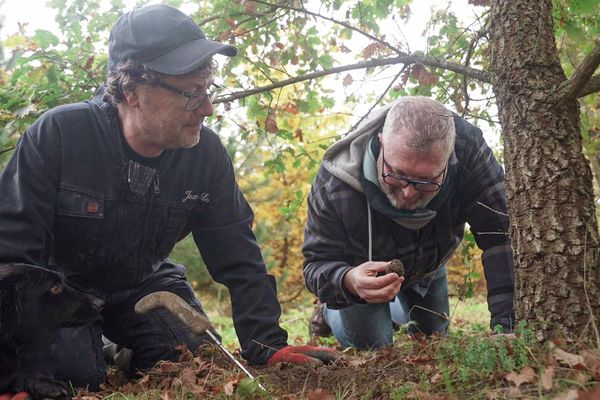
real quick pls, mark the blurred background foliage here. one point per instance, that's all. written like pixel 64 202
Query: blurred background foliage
pixel 276 137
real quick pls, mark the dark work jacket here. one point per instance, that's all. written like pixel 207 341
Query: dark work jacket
pixel 337 234
pixel 65 203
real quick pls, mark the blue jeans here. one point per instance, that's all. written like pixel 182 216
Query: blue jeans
pixel 370 326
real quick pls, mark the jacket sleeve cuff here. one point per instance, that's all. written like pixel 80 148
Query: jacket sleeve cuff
pixel 348 296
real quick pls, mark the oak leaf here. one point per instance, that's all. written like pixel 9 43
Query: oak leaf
pixel 591 360
pixel 348 80
pixel 591 394
pixel 271 124
pixel 527 375
pixel 423 76
pixel 166 395
pixel 569 395
pixel 370 50
pixel 569 359
pixel 229 387
pixel 548 378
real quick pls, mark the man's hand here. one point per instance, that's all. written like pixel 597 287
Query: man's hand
pixel 15 396
pixel 363 282
pixel 304 355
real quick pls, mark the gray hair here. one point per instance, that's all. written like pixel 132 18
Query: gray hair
pixel 429 124
pixel 128 74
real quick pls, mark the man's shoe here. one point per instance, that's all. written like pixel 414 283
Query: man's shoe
pixel 317 325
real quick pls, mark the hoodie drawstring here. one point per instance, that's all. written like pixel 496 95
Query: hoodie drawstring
pixel 370 232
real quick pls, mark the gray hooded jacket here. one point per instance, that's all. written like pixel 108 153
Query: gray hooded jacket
pixel 347 225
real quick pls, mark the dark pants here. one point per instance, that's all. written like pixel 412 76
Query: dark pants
pixel 76 354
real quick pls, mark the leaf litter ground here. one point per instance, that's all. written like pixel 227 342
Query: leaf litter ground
pixel 414 368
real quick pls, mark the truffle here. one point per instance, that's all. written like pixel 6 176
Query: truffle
pixel 395 266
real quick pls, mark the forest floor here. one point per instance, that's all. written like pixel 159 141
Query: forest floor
pixel 468 364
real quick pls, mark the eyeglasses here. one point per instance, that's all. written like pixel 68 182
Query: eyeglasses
pixel 402 182
pixel 194 101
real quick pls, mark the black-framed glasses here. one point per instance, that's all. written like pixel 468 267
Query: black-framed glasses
pixel 402 182
pixel 194 101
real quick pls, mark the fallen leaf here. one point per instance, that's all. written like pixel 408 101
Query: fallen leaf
pixel 358 361
pixel 167 367
pixel 570 395
pixel 229 387
pixel 420 395
pixel 513 393
pixel 418 359
pixel 569 359
pixel 166 395
pixel 591 361
pixel 527 375
pixel 437 378
pixel 548 378
pixel 591 394
pixel 188 376
pixel 320 394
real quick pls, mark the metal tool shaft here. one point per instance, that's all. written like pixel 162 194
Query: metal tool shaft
pixel 239 364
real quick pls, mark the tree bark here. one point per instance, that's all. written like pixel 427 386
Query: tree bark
pixel 549 184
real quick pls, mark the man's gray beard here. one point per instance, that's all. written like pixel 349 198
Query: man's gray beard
pixel 392 196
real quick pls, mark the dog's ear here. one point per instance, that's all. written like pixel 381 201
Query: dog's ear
pixel 13 273
pixel 10 302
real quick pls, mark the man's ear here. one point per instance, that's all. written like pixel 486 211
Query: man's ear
pixel 131 96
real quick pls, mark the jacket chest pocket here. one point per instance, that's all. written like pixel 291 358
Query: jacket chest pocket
pixel 175 224
pixel 79 237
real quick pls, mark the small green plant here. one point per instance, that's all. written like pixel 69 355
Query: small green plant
pixel 250 389
pixel 400 392
pixel 477 356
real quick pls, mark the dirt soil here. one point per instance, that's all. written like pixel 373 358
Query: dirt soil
pixel 410 371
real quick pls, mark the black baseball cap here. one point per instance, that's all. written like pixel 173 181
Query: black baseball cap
pixel 163 39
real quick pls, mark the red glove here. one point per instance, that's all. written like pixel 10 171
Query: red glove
pixel 16 396
pixel 304 355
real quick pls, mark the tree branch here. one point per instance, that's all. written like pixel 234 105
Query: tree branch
pixel 387 89
pixel 571 88
pixel 406 59
pixel 592 86
pixel 344 24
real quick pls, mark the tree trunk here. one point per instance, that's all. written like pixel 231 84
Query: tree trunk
pixel 549 185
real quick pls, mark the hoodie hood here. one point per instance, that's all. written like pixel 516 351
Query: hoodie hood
pixel 344 159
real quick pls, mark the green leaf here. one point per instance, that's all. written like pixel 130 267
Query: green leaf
pixel 45 38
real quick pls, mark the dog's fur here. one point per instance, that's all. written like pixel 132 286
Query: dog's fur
pixel 35 302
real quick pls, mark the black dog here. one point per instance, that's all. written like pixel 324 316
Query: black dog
pixel 35 302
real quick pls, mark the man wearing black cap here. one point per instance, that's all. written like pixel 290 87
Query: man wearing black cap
pixel 102 190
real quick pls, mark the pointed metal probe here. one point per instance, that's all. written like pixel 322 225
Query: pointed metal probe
pixel 197 322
